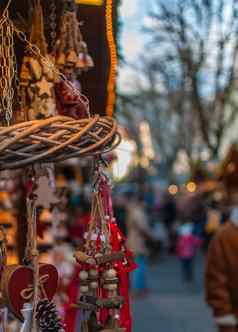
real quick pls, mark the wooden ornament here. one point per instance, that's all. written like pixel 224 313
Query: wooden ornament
pixel 42 141
pixel 45 194
pixel 81 257
pixel 45 88
pixel 17 285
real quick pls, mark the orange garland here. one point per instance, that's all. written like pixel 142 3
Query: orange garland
pixel 89 2
pixel 113 58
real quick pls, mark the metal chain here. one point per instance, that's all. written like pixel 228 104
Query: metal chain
pixel 50 65
pixel 53 25
pixel 8 70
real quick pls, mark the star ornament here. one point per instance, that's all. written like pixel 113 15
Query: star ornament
pixel 44 87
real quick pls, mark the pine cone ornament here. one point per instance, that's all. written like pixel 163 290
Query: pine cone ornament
pixel 47 317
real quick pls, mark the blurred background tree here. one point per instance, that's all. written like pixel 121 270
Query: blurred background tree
pixel 186 79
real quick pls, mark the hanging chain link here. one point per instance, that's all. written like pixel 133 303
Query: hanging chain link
pixel 51 67
pixel 8 70
pixel 53 25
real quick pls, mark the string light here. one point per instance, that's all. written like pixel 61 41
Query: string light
pixel 89 2
pixel 113 58
pixel 173 189
pixel 191 187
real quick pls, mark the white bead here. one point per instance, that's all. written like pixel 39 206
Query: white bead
pixel 98 255
pixel 110 274
pixel 83 275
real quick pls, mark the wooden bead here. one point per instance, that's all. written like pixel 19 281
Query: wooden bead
pixel 94 284
pixel 93 273
pixel 110 287
pixel 110 274
pixel 84 289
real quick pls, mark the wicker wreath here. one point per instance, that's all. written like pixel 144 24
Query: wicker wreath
pixel 55 139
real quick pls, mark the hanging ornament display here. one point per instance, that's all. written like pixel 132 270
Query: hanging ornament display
pixel 29 287
pixel 27 284
pixel 105 263
pixel 36 78
pixel 71 58
pixel 42 140
pixel 71 49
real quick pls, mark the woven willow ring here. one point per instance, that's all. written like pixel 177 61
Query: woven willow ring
pixel 55 139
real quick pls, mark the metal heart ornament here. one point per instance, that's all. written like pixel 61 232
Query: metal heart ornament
pixel 17 285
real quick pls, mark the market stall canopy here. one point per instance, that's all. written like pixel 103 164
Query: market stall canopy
pixel 98 83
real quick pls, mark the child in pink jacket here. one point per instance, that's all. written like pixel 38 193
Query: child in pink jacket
pixel 186 248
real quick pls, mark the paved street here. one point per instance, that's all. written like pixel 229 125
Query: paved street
pixel 173 306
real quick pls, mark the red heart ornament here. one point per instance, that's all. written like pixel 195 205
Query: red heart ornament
pixel 17 285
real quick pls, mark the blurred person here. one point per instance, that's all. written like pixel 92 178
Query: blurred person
pixel 168 215
pixel 138 232
pixel 186 249
pixel 221 278
pixel 148 195
pixel 159 244
pixel 120 211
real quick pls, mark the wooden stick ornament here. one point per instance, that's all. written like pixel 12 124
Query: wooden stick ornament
pixel 104 263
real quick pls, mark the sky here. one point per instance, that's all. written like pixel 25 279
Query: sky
pixel 134 14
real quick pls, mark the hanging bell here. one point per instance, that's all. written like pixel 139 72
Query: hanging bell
pixel 25 74
pixel 89 61
pixel 61 60
pixel 71 57
pixel 80 62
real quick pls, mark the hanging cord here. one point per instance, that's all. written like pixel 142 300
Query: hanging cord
pixel 98 219
pixel 3 247
pixel 6 8
pixel 32 251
